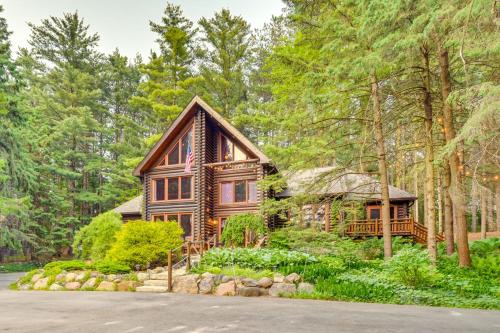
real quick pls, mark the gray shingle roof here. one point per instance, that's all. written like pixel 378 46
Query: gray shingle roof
pixel 330 181
pixel 133 206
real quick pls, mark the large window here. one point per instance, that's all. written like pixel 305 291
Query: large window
pixel 176 188
pixel 185 221
pixel 237 192
pixel 229 151
pixel 177 154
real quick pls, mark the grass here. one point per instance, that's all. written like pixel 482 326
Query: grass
pixel 234 271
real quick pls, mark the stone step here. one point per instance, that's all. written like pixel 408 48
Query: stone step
pixel 161 283
pixel 152 289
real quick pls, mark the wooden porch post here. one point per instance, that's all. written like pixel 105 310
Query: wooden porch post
pixel 328 217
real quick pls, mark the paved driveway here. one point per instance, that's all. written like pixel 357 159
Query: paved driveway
pixel 32 311
pixel 8 278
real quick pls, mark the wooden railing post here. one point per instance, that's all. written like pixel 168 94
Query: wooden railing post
pixel 188 258
pixel 170 271
pixel 376 227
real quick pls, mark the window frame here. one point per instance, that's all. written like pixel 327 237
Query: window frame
pixel 178 142
pixel 178 220
pixel 247 193
pixel 234 145
pixel 179 188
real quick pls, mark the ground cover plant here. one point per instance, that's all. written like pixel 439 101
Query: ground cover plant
pixel 18 267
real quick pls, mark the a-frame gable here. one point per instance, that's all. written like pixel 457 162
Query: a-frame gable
pixel 181 121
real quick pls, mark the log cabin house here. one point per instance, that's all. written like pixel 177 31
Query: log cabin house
pixel 203 170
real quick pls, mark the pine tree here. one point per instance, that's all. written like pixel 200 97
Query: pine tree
pixel 224 61
pixel 170 82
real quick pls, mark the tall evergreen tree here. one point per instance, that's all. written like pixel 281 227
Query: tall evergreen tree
pixel 224 61
pixel 170 82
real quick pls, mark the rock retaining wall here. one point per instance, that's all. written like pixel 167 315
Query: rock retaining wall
pixel 156 280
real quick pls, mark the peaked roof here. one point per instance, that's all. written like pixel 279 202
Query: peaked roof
pixel 181 119
pixel 133 206
pixel 326 181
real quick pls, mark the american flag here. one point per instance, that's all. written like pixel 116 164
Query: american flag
pixel 189 159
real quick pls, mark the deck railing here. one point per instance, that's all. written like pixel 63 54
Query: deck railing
pixel 402 226
pixel 399 227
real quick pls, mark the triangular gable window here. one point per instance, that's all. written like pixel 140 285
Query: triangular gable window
pixel 178 153
pixel 230 151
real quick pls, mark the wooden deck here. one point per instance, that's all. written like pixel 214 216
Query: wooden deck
pixel 399 227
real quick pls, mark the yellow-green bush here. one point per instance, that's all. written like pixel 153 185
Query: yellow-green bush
pixel 142 242
pixel 95 239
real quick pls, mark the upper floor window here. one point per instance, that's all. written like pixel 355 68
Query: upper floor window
pixel 239 191
pixel 178 153
pixel 173 188
pixel 230 151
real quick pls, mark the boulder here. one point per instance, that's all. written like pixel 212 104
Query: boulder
pixel 159 276
pixel 56 287
pixel 179 271
pixel 278 278
pixel 247 282
pixel 106 286
pixel 126 286
pixel 218 279
pixel 265 282
pixel 70 277
pixel 61 277
pixel 26 286
pixel 36 277
pixel 158 270
pixel 292 278
pixel 94 274
pixel 80 277
pixel 206 285
pixel 111 277
pixel 207 275
pixel 73 285
pixel 226 278
pixel 187 284
pixel 264 291
pixel 90 283
pixel 282 289
pixel 141 276
pixel 41 283
pixel 248 291
pixel 226 289
pixel 305 288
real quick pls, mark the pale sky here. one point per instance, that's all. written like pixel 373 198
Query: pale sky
pixel 125 23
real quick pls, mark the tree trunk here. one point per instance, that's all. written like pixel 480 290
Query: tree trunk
pixel 382 164
pixel 497 204
pixel 440 202
pixel 415 188
pixel 474 206
pixel 429 158
pixel 491 204
pixel 448 210
pixel 456 193
pixel 483 213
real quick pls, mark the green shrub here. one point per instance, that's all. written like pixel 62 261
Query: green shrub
pixel 18 267
pixel 70 265
pixel 111 267
pixel 485 247
pixel 255 258
pixel 95 239
pixel 142 243
pixel 236 225
pixel 411 267
pixel 26 278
